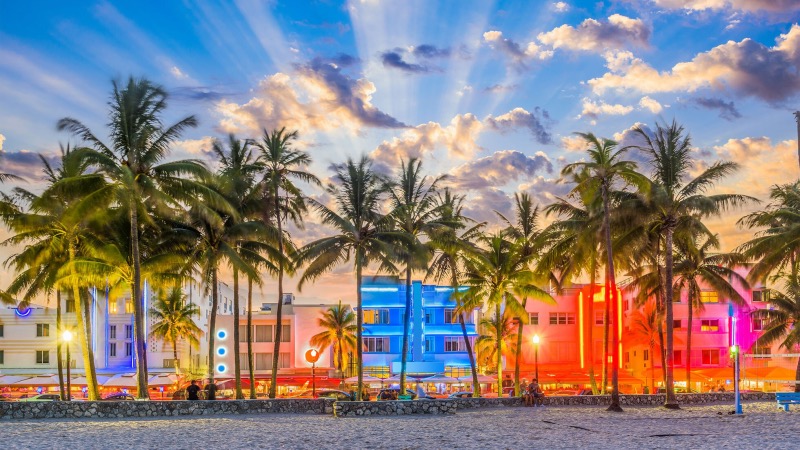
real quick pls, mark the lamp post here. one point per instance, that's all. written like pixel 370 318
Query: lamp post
pixel 312 356
pixel 67 337
pixel 735 354
pixel 536 355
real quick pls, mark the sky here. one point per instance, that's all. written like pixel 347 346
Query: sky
pixel 489 93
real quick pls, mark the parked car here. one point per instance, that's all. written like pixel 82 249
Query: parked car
pixel 460 394
pixel 119 397
pixel 678 390
pixel 325 393
pixel 386 394
pixel 570 392
pixel 41 398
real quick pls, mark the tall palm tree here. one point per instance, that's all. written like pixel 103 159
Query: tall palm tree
pixel 452 246
pixel 605 169
pixel 283 201
pixel 339 330
pixel 139 177
pixel 697 266
pixel 416 214
pixel 644 323
pixel 524 229
pixel 782 319
pixel 497 276
pixel 679 199
pixel 361 233
pixel 174 321
pixel 497 338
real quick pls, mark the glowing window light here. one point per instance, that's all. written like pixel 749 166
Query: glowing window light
pixel 222 334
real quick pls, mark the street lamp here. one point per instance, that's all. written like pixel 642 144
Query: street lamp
pixel 67 337
pixel 536 355
pixel 312 356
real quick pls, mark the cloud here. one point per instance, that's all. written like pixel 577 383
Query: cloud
pixel 458 138
pixel 2 139
pixel 499 169
pixel 545 190
pixel 500 88
pixel 201 93
pixel 748 67
pixel 561 7
pixel 761 159
pixel 467 89
pixel 519 56
pixel 573 143
pixel 316 97
pixel 537 122
pixel 650 104
pixel 594 109
pixel 430 51
pixel 394 60
pixel 26 164
pixel 178 73
pixel 591 35
pixel 772 6
pixel 482 205
pixel 727 110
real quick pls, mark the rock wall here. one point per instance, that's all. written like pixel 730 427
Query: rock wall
pixel 659 399
pixel 394 408
pixel 111 409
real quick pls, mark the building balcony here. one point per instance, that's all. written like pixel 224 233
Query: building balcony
pixel 376 330
pixel 449 329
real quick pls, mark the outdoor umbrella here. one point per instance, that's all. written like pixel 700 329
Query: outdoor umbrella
pixel 162 379
pixel 7 380
pixel 366 379
pixel 81 380
pixel 123 380
pixel 440 379
pixel 40 380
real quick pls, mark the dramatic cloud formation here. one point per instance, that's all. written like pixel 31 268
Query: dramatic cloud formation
pixel 594 109
pixel 537 123
pixel 748 67
pixel 727 110
pixel 26 164
pixel 591 35
pixel 318 97
pixel 650 104
pixel 395 60
pixel 518 56
pixel 573 143
pixel 499 169
pixel 774 6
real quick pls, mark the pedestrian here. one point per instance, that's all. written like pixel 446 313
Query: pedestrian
pixel 211 391
pixel 192 390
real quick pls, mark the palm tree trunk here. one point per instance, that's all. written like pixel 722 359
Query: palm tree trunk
pixel 359 330
pixel 250 362
pixel 212 324
pixel 140 341
pixel 797 377
pixel 689 341
pixel 59 330
pixel 671 402
pixel 276 348
pixel 237 367
pixel 652 369
pixel 476 386
pixel 590 331
pixel 611 296
pixel 499 352
pixel 406 326
pixel 518 352
pixel 175 356
pixel 85 341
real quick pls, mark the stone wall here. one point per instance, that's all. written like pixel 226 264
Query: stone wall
pixel 658 399
pixel 394 408
pixel 112 409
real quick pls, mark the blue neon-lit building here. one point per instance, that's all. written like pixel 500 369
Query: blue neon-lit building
pixel 436 342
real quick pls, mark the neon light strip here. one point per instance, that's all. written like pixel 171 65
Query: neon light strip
pixel 378 289
pixel 580 326
pixel 93 319
pixel 619 325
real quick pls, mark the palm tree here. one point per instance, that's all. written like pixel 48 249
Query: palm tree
pixel 416 214
pixel 497 276
pixel 339 331
pixel 282 200
pixel 139 179
pixel 174 321
pixel 361 233
pixel 451 251
pixel 54 227
pixel 497 338
pixel 606 168
pixel 525 231
pixel 696 266
pixel 679 201
pixel 645 330
pixel 782 319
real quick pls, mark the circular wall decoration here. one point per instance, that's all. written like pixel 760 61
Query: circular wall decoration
pixel 23 309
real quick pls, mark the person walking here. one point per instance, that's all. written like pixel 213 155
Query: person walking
pixel 192 390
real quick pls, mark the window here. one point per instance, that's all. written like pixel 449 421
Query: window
pixel 376 345
pixel 2 331
pixel 70 307
pixel 429 344
pixel 284 360
pixel 242 333
pixel 760 296
pixel 42 330
pixel 627 358
pixel 759 323
pixel 599 317
pixel 128 331
pixel 112 349
pixel 677 357
pixel 169 363
pixel 676 324
pixel 128 348
pixel 113 307
pixel 129 306
pixel 646 355
pixel 42 356
pixel 2 357
pixel 711 356
pixel 709 325
pixel 762 351
pixel 709 297
pixel 448 315
pixel 534 318
pixel 263 361
pixel 428 317
pixel 376 316
pixel 286 333
pixel 263 333
pixel 562 318
pixel 454 344
pixel 112 332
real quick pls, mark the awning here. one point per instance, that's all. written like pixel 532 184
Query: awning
pixel 769 374
pixel 40 380
pixel 163 379
pixel 366 379
pixel 440 379
pixel 81 380
pixel 8 380
pixel 123 380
